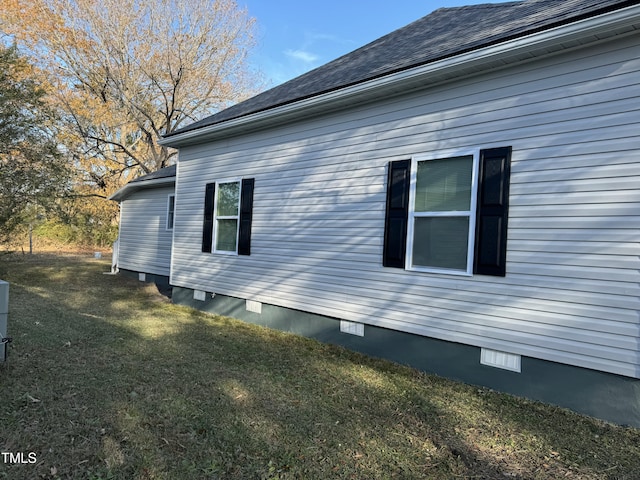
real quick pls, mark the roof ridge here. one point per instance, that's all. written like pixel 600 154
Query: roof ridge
pixel 165 172
pixel 485 5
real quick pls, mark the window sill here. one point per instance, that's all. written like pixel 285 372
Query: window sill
pixel 440 271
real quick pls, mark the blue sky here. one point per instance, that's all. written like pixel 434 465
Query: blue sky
pixel 297 36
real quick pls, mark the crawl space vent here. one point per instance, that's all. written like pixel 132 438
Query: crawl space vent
pixel 494 358
pixel 352 328
pixel 253 306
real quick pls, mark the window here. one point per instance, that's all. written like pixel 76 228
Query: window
pixel 171 207
pixel 442 205
pixel 448 213
pixel 228 215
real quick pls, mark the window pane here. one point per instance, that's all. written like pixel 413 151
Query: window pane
pixel 170 213
pixel 441 242
pixel 228 199
pixel 444 185
pixel 226 235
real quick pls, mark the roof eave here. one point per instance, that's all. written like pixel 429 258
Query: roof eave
pixel 134 186
pixel 517 50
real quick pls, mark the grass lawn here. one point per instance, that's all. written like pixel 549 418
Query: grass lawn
pixel 108 380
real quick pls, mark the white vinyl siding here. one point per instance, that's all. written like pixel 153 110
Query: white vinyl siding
pixel 572 289
pixel 145 242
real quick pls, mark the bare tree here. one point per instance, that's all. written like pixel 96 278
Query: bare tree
pixel 128 71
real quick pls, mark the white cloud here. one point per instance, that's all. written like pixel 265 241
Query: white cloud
pixel 306 57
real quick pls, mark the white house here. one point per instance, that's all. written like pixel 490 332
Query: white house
pixel 147 207
pixel 462 195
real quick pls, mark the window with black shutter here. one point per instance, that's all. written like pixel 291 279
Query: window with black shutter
pixel 447 213
pixel 207 225
pixel 493 204
pixel 227 217
pixel 246 216
pixel 395 234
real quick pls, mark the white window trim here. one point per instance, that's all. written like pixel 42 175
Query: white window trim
pixel 471 213
pixel 225 217
pixel 167 227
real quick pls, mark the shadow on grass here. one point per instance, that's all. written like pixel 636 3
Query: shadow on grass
pixel 107 380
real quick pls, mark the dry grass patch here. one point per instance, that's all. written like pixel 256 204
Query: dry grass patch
pixel 106 380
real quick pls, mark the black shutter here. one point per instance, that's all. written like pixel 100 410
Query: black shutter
pixel 397 215
pixel 207 226
pixel 246 214
pixel 493 212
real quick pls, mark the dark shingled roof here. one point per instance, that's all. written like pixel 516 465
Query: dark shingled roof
pixel 162 173
pixel 444 33
pixel 136 184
